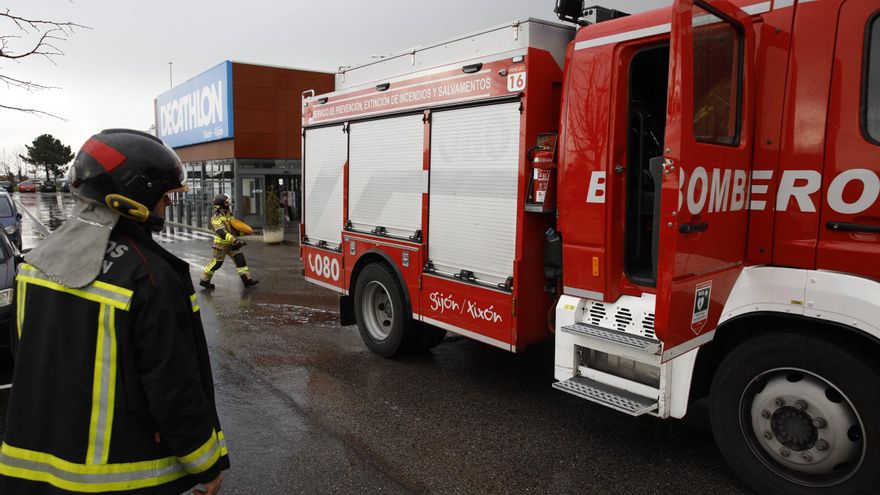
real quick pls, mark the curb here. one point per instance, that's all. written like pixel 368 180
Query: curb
pixel 45 230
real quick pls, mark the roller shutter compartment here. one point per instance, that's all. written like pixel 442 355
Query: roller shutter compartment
pixel 326 150
pixel 473 191
pixel 386 176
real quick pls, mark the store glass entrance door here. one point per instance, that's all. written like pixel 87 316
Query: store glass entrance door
pixel 252 201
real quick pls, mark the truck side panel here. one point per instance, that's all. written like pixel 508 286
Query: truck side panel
pixel 796 224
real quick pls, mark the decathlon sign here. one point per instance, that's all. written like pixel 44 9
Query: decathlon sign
pixel 199 110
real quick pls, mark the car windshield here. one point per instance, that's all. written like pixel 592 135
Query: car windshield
pixel 5 207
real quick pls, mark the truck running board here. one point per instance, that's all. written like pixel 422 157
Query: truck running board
pixel 607 395
pixel 637 342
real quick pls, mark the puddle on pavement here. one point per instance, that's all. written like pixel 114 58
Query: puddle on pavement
pixel 287 314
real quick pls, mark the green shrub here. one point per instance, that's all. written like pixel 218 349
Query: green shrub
pixel 273 209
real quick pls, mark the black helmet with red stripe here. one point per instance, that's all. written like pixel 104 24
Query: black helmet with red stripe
pixel 130 171
pixel 221 202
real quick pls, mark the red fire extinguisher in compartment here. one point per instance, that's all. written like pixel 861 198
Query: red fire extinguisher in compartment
pixel 541 196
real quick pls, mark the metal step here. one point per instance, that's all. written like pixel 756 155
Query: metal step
pixel 643 344
pixel 607 395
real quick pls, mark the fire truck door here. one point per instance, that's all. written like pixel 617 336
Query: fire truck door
pixel 706 163
pixel 849 234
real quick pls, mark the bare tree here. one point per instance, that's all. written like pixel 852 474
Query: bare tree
pixel 19 166
pixel 31 38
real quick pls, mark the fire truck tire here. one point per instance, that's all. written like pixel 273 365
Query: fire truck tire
pixel 794 413
pixel 381 315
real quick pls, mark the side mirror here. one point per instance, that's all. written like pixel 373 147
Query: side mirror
pixel 18 216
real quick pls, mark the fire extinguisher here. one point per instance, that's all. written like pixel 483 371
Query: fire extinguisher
pixel 542 177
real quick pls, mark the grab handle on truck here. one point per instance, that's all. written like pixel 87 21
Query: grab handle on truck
pixel 693 228
pixel 853 227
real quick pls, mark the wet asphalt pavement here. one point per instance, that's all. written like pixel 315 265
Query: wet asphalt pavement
pixel 307 409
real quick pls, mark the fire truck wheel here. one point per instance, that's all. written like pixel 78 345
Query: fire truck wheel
pixel 798 414
pixel 379 309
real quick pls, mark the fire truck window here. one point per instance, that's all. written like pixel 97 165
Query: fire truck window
pixel 717 79
pixel 872 86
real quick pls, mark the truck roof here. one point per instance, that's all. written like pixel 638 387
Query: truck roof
pixel 509 39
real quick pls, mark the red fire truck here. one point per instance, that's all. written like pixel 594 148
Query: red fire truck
pixel 689 198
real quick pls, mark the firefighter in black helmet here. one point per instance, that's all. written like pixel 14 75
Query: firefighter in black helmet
pixel 113 389
pixel 226 243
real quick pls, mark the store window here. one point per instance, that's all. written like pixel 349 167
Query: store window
pixel 717 77
pixel 871 118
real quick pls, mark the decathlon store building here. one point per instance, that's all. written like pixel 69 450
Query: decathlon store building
pixel 237 129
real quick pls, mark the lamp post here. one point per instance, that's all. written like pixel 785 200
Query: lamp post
pixel 170 75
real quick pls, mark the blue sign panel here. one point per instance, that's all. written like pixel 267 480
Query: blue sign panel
pixel 199 110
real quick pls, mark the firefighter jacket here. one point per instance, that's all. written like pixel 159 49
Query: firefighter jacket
pixel 223 231
pixel 113 389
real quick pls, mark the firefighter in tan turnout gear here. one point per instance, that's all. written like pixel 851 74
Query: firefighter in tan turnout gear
pixel 113 390
pixel 225 244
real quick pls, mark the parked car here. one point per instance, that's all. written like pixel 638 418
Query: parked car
pixel 6 185
pixel 10 257
pixel 48 186
pixel 10 218
pixel 27 186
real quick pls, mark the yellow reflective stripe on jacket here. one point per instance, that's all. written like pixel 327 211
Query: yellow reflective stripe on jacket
pixel 97 291
pixel 97 478
pixel 91 478
pixel 193 299
pixel 19 310
pixel 222 222
pixel 222 440
pixel 103 388
pixel 203 457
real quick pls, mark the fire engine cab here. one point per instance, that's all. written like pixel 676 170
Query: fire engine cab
pixel 687 200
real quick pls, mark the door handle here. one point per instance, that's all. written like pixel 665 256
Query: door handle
pixel 853 227
pixel 693 228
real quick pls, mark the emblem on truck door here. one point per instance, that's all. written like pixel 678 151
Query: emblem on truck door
pixel 702 296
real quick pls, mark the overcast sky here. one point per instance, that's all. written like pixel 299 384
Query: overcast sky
pixel 111 73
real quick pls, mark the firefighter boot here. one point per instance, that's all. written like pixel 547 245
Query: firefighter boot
pixel 242 269
pixel 206 283
pixel 249 281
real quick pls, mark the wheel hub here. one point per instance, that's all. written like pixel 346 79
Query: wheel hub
pixel 378 311
pixel 794 428
pixel 803 428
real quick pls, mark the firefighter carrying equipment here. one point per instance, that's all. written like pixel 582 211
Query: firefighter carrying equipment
pixel 225 244
pixel 119 397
